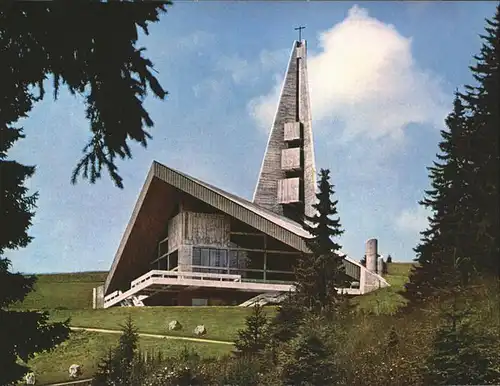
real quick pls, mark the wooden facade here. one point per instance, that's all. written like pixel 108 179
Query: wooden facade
pixel 179 219
pixel 181 224
pixel 289 190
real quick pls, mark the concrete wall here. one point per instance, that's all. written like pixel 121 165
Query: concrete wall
pixel 371 255
pixel 98 297
pixel 175 232
pixel 207 229
pixel 185 258
pixel 380 265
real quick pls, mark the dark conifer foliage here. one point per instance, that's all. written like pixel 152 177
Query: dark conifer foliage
pixel 286 322
pixel 22 333
pixel 446 238
pixel 319 274
pixel 25 333
pixel 254 337
pixel 122 364
pixel 464 225
pixel 310 360
pixel 91 48
pixel 461 354
pixel 483 102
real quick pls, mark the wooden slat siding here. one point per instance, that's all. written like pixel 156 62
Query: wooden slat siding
pixel 309 179
pixel 292 131
pixel 290 158
pixel 208 229
pixel 266 194
pixel 352 269
pixel 235 210
pixel 289 190
pixel 227 206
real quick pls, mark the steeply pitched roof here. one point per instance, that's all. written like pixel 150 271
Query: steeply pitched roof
pixel 162 179
pixel 282 221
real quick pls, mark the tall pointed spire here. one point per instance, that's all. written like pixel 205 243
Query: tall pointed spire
pixel 287 180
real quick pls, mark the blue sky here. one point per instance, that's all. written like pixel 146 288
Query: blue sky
pixel 381 74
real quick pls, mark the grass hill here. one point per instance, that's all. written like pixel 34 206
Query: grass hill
pixel 69 295
pixel 63 291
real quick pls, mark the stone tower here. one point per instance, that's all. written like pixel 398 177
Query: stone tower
pixel 287 180
pixel 371 255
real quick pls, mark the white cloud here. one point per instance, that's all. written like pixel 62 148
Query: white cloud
pixel 243 71
pixel 208 88
pixel 364 82
pixel 413 220
pixel 195 41
pixel 240 69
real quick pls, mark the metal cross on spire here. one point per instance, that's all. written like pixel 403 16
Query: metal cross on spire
pixel 300 32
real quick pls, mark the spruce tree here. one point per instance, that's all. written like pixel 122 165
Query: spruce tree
pixel 119 366
pixel 320 273
pixel 22 333
pixel 254 337
pixel 460 354
pixel 285 324
pixel 446 237
pixel 101 64
pixel 308 359
pixel 464 198
pixel 483 102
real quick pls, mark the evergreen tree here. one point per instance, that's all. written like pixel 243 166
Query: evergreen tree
pixel 308 358
pixel 464 198
pixel 446 238
pixel 105 370
pixel 460 354
pixel 119 366
pixel 22 333
pixel 99 63
pixel 320 273
pixel 127 349
pixel 285 324
pixel 483 102
pixel 254 337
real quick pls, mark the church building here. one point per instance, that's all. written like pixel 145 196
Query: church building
pixel 191 243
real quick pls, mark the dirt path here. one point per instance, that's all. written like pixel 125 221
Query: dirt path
pixel 105 331
pixel 80 382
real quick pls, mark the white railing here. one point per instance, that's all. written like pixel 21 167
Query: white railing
pixel 179 275
pixel 112 296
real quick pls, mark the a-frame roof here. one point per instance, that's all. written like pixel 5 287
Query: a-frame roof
pixel 149 219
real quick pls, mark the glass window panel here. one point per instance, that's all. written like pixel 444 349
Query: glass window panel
pixel 205 257
pixel 196 256
pixel 213 253
pixel 233 259
pixel 223 258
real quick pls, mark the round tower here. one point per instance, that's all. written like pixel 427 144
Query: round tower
pixel 380 265
pixel 371 255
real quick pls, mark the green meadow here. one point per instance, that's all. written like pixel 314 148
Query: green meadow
pixel 66 296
